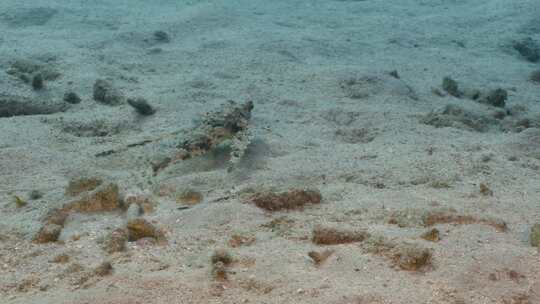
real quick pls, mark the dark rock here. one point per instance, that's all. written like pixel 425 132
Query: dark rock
pixel 451 87
pixel 162 36
pixel 37 82
pixel 72 97
pixel 141 106
pixel 528 48
pixel 496 98
pixel 106 93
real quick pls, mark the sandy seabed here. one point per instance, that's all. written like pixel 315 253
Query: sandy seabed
pixel 402 190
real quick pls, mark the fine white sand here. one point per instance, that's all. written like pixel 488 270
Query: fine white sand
pixel 369 156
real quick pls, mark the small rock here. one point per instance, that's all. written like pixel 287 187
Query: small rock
pixel 535 235
pixel 48 233
pixel 141 106
pixel 106 93
pixel 72 97
pixel 451 86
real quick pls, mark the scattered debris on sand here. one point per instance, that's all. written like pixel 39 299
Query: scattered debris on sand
pixel 461 118
pixel 496 97
pixel 295 199
pixel 227 125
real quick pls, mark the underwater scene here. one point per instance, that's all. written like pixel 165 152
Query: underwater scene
pixel 269 152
